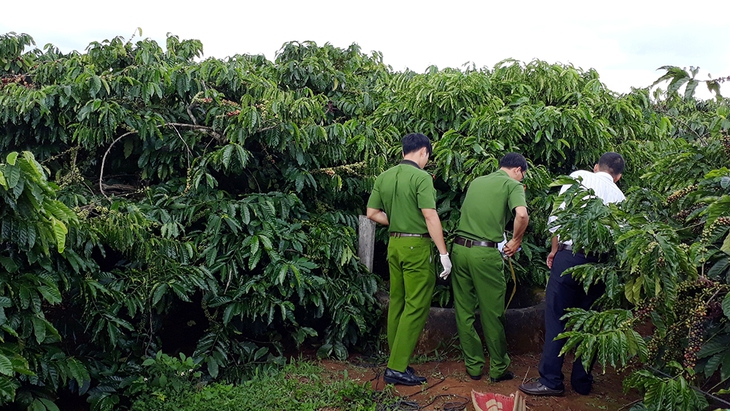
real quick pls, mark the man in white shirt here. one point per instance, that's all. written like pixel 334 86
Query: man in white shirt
pixel 564 292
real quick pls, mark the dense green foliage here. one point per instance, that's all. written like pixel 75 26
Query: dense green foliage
pixel 669 266
pixel 214 208
pixel 206 207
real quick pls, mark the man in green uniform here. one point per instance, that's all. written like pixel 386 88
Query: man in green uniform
pixel 479 279
pixel 404 199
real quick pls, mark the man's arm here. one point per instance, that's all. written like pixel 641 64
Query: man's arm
pixel 436 231
pixel 553 251
pixel 378 216
pixel 520 225
pixel 433 222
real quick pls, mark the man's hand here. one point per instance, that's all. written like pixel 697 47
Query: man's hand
pixel 511 247
pixel 446 262
pixel 550 258
pixel 553 251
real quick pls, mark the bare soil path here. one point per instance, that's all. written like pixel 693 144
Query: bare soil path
pixel 449 378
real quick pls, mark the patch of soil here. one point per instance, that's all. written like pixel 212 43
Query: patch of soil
pixel 449 385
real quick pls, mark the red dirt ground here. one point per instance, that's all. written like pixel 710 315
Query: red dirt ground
pixel 448 378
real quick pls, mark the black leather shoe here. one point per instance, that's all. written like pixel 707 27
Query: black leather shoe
pixel 410 370
pixel 402 378
pixel 582 390
pixel 536 388
pixel 508 375
pixel 475 377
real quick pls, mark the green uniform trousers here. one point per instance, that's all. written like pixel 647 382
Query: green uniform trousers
pixel 412 280
pixel 478 281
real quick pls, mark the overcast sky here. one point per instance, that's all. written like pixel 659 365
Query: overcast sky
pixel 625 41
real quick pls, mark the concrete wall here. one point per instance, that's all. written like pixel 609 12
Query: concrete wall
pixel 524 328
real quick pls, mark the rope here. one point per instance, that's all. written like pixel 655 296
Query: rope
pixel 406 404
pixel 426 389
pixel 514 286
pixel 452 405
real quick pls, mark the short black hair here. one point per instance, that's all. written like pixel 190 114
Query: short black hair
pixel 612 163
pixel 416 141
pixel 511 160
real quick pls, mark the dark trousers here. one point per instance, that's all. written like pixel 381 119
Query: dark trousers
pixel 564 292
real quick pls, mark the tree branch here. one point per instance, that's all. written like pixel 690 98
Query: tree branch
pixel 205 129
pixel 190 113
pixel 103 160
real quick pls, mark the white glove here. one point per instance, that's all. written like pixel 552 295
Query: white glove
pixel 446 263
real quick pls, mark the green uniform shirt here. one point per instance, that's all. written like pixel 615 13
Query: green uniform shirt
pixel 489 204
pixel 402 191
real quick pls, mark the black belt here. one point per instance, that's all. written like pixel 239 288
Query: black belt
pixel 569 247
pixel 473 243
pixel 563 246
pixel 409 235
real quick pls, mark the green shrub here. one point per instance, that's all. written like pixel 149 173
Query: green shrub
pixel 297 387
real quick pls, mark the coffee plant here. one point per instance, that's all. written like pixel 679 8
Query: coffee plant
pixel 668 276
pixel 164 212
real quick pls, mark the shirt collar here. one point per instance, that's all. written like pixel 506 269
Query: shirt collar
pixel 604 175
pixel 413 163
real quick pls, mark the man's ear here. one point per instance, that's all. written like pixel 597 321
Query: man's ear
pixel 595 168
pixel 616 178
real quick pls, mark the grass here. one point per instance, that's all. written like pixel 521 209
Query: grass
pixel 298 386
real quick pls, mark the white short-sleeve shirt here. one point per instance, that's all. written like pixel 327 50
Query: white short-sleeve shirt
pixel 601 183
